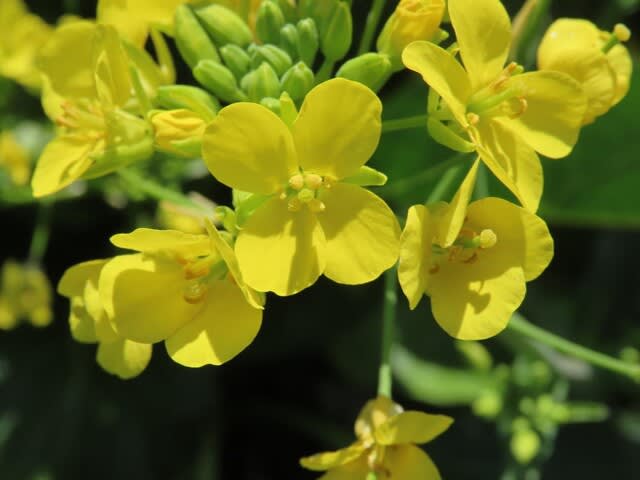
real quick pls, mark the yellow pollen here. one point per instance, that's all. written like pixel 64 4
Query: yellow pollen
pixel 194 292
pixel 282 196
pixel 622 32
pixel 316 206
pixel 488 238
pixel 473 118
pixel 197 269
pixel 296 182
pixel 313 181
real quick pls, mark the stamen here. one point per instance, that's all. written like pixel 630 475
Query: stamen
pixel 194 292
pixel 317 206
pixel 294 204
pixel 473 118
pixel 313 181
pixel 522 108
pixel 488 238
pixel 296 182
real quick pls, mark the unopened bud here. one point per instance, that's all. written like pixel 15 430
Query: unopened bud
pixel 337 33
pixel 289 41
pixel 269 21
pixel 192 40
pixel 172 97
pixel 308 40
pixel 263 82
pixel 179 132
pixel 225 26
pixel 272 104
pixel 370 69
pixel 274 56
pixel 525 445
pixel 219 80
pixel 297 81
pixel 236 59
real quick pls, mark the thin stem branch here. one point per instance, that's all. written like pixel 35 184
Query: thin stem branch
pixel 40 237
pixel 371 26
pixel 416 121
pixel 325 71
pixel 388 320
pixel 523 327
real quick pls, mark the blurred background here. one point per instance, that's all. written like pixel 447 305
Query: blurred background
pixel 298 388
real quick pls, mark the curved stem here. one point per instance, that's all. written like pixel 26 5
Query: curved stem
pixel 417 121
pixel 388 320
pixel 40 237
pixel 325 71
pixel 523 327
pixel 157 191
pixel 371 26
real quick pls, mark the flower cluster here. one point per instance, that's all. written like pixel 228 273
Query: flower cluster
pixel 268 121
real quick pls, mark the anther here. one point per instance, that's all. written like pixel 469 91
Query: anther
pixel 194 293
pixel 622 32
pixel 294 205
pixel 313 181
pixel 296 182
pixel 522 108
pixel 473 118
pixel 317 206
pixel 305 195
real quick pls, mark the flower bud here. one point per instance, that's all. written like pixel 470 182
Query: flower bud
pixel 412 20
pixel 236 59
pixel 337 33
pixel 297 81
pixel 370 69
pixel 274 56
pixel 192 40
pixel 269 21
pixel 263 82
pixel 171 97
pixel 219 80
pixel 289 40
pixel 525 445
pixel 179 132
pixel 272 104
pixel 289 9
pixel 224 26
pixel 309 40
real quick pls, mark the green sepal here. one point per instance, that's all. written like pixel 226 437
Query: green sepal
pixel 367 177
pixel 172 97
pixel 192 40
pixel 447 137
pixel 370 69
pixel 219 80
pixel 247 206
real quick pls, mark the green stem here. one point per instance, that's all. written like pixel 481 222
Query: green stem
pixel 372 476
pixel 157 191
pixel 525 27
pixel 388 320
pixel 371 26
pixel 141 95
pixel 523 327
pixel 399 187
pixel 325 71
pixel 416 121
pixel 444 184
pixel 40 237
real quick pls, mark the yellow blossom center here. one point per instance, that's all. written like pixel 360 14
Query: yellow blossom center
pixel 84 118
pixel 500 97
pixel 197 273
pixel 303 190
pixel 466 249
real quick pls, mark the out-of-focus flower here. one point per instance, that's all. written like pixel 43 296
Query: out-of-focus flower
pixel 25 294
pixel 312 220
pixel 14 159
pixel 386 445
pixel 22 36
pixel 503 114
pixel 185 290
pixel 472 260
pixel 179 132
pixel 171 216
pixel 89 323
pixel 595 58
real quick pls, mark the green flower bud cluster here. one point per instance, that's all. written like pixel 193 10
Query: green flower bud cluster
pixel 237 64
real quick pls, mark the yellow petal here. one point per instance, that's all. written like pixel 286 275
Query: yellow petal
pixel 450 222
pixel 415 253
pixel 412 427
pixel 111 70
pixel 553 117
pixel 147 240
pixel 483 33
pixel 281 251
pixel 338 128
pixel 524 235
pixel 63 161
pixel 229 257
pixel 74 279
pixel 225 326
pixel 143 297
pixel 512 161
pixel 328 460
pixel 362 233
pixel 249 148
pixel 622 65
pixel 124 358
pixel 67 60
pixel 356 470
pixel 408 462
pixel 441 72
pixel 373 414
pixel 80 322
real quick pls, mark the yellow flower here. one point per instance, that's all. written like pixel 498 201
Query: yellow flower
pixel 171 216
pixel 134 18
pixel 183 289
pixel 25 293
pixel 87 92
pixel 89 323
pixel 412 20
pixel 472 260
pixel 596 59
pixel 312 220
pixel 14 159
pixel 386 437
pixel 179 132
pixel 22 35
pixel 506 115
